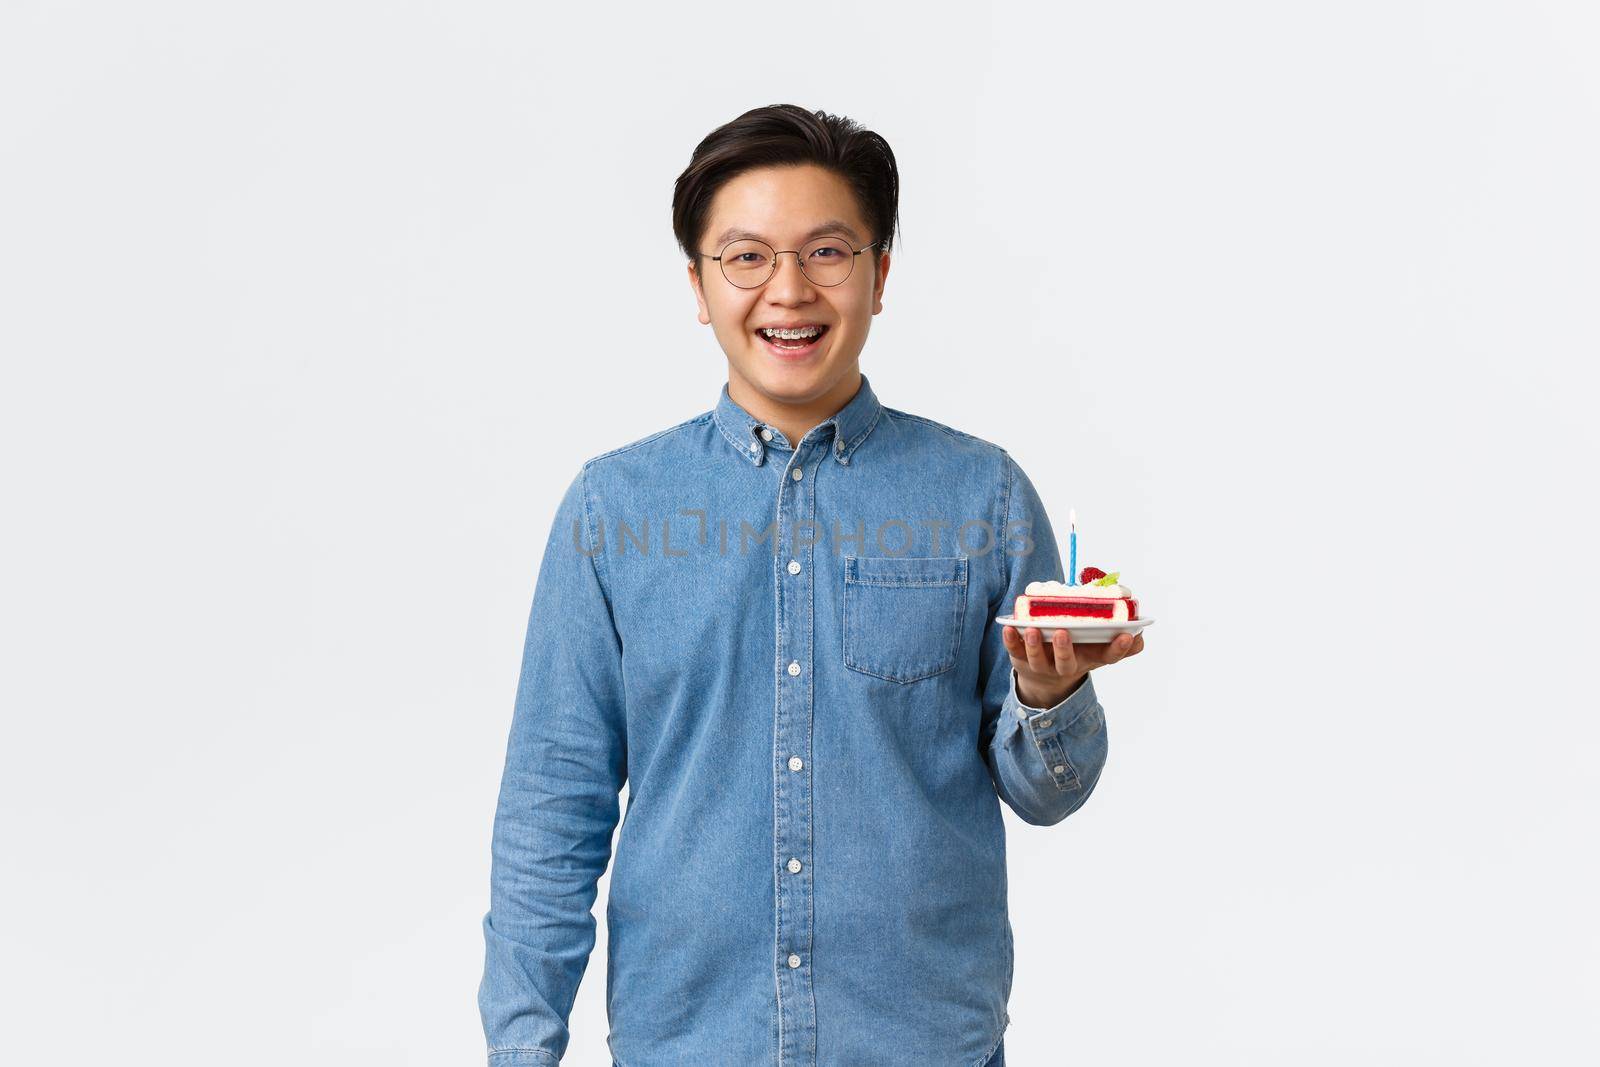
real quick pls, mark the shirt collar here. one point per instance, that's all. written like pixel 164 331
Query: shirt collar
pixel 751 438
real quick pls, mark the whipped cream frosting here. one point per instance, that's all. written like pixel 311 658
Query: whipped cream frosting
pixel 1063 589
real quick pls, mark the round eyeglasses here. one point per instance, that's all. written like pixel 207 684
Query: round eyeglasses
pixel 749 264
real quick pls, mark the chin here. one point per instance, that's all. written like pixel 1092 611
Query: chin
pixel 794 382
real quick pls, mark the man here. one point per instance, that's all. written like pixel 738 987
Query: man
pixel 773 621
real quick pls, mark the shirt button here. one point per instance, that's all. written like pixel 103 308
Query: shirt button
pixel 794 668
pixel 766 434
pixel 1059 769
pixel 794 961
pixel 755 446
pixel 795 474
pixel 1044 722
pixel 795 763
pixel 794 566
pixel 794 866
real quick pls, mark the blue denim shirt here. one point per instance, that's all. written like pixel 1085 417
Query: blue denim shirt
pixel 787 650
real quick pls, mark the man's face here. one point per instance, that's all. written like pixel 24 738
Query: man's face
pixel 782 205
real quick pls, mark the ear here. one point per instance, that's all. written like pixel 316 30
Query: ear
pixel 883 276
pixel 699 295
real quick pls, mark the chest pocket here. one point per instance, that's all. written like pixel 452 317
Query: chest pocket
pixel 903 614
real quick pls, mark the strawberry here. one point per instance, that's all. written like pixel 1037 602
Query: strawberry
pixel 1090 574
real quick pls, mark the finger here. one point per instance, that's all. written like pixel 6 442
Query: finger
pixel 1104 653
pixel 1066 656
pixel 1036 654
pixel 1016 646
pixel 1120 648
pixel 1094 656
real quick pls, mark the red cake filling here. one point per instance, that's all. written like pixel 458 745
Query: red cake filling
pixel 1094 607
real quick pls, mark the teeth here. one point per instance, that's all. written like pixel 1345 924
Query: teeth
pixel 806 331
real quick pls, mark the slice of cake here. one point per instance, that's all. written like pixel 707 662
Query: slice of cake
pixel 1098 599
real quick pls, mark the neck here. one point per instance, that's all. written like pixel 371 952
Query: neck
pixel 793 418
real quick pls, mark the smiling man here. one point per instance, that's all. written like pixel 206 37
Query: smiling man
pixel 774 622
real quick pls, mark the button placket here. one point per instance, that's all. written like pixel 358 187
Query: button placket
pixel 1062 772
pixel 792 718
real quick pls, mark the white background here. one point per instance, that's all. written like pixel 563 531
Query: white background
pixel 1294 303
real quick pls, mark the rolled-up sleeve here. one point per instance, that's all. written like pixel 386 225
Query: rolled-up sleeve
pixel 1044 761
pixel 558 803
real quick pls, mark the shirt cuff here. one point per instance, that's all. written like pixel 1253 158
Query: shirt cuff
pixel 522 1057
pixel 1060 717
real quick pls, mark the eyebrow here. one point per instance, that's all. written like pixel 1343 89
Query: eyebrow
pixel 733 233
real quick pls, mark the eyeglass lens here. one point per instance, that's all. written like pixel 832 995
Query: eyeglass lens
pixel 825 261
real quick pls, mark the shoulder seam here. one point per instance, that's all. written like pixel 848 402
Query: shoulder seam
pixel 937 425
pixel 588 533
pixel 1006 464
pixel 702 417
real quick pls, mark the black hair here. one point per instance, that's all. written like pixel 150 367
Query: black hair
pixel 788 135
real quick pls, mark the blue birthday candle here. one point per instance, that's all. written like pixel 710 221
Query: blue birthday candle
pixel 1072 551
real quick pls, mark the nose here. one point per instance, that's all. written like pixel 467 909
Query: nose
pixel 788 283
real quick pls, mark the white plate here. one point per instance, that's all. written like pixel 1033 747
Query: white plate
pixel 1083 633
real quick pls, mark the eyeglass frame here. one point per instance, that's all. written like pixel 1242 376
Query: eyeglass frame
pixel 778 252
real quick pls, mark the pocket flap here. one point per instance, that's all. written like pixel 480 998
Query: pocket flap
pixel 906 570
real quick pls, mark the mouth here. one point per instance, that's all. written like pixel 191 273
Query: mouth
pixel 792 349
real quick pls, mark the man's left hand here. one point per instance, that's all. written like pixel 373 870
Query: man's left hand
pixel 1047 671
